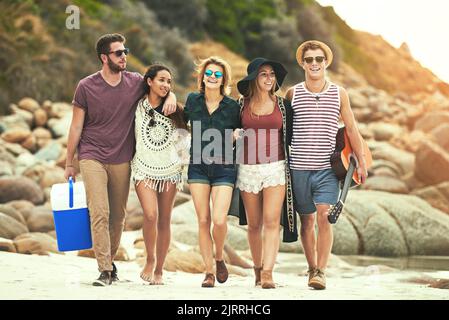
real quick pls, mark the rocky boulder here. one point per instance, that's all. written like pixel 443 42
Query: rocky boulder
pixel 385 131
pixel 437 196
pixel 60 127
pixel 441 134
pixel 432 120
pixel 387 184
pixel 385 224
pixel 10 227
pixel 432 163
pixel 36 243
pixel 7 245
pixel 41 219
pixel 40 117
pixel 28 104
pixel 20 188
pixel 12 212
pixel 404 160
pixel 16 135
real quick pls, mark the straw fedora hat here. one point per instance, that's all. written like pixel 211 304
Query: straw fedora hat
pixel 322 45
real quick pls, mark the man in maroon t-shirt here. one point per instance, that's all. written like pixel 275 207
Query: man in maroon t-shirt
pixel 102 131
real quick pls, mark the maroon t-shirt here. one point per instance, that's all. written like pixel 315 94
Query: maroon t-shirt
pixel 108 132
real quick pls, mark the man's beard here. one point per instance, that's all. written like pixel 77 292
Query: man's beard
pixel 115 68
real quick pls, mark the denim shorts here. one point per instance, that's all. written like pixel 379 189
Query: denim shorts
pixel 312 187
pixel 212 174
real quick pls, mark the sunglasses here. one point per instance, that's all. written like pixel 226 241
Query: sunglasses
pixel 209 73
pixel 150 112
pixel 118 53
pixel 318 59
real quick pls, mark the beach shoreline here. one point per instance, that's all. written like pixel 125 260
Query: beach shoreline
pixel 68 277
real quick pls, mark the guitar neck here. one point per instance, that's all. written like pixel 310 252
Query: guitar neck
pixel 348 180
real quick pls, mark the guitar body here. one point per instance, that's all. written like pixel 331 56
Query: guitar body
pixel 343 152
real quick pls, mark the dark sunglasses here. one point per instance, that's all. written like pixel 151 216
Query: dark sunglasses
pixel 318 59
pixel 209 73
pixel 150 112
pixel 118 53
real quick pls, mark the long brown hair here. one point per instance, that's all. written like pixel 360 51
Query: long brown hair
pixel 177 116
pixel 253 89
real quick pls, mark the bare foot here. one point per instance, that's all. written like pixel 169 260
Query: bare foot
pixel 147 272
pixel 157 279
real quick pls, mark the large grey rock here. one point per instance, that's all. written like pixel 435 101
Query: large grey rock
pixel 385 131
pixel 10 227
pixel 346 239
pixel 6 168
pixel 13 121
pixel 432 163
pixel 383 183
pixel 394 225
pixel 57 109
pixel 187 234
pixel 25 207
pixel 7 245
pixel 25 115
pixel 403 159
pixel 184 214
pixel 20 188
pixel 50 152
pixel 12 212
pixel 36 243
pixel 25 161
pixel 6 156
pixel 60 127
pixel 41 219
pixel 237 238
pixel 437 196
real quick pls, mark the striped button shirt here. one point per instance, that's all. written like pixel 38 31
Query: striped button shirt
pixel 315 125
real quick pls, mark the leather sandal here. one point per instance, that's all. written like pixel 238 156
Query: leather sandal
pixel 222 271
pixel 209 281
pixel 267 279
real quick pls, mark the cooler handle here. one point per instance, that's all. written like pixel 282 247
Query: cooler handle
pixel 70 192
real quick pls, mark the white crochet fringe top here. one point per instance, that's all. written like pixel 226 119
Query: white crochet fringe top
pixel 156 161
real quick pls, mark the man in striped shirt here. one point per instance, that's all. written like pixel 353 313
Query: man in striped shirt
pixel 318 105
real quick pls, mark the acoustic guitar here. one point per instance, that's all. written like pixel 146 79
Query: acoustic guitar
pixel 344 164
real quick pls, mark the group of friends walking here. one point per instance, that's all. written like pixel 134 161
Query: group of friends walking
pixel 264 158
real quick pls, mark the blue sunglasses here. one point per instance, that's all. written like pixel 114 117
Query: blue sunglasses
pixel 209 73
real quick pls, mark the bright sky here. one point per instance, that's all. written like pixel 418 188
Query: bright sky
pixel 423 25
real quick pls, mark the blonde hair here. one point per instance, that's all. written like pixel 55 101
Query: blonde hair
pixel 225 88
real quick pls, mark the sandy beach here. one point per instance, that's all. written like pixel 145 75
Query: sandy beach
pixel 69 277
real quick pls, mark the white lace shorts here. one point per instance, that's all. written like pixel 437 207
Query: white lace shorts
pixel 255 177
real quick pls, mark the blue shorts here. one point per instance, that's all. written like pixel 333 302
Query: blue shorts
pixel 212 174
pixel 312 187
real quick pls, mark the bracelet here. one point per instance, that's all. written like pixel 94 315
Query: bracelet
pixel 69 165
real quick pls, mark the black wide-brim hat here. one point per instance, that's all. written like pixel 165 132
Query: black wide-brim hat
pixel 253 69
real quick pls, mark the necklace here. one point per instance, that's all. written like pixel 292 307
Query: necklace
pixel 316 94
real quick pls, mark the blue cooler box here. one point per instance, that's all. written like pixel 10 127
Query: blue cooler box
pixel 71 216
